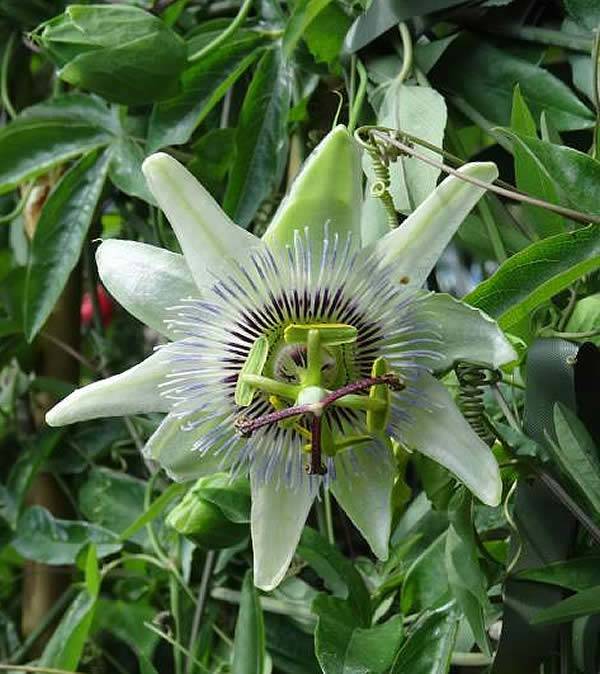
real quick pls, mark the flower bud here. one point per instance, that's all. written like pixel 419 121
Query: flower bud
pixel 214 513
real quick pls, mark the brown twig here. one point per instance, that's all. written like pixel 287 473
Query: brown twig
pixel 390 137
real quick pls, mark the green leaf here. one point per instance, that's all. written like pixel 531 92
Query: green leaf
pixel 26 12
pixel 125 619
pixel 466 579
pixel 213 157
pixel 49 134
pixel 582 70
pixel 111 498
pixel 204 83
pixel 586 317
pixel 339 574
pixel 473 234
pixel 146 666
pixel 304 13
pixel 29 463
pixel 576 574
pixel 419 520
pixel 576 174
pixel 531 175
pixel 384 14
pixel 581 604
pixel 536 274
pixel 290 647
pixel 125 54
pixel 428 649
pixel 522 646
pixel 487 77
pixel 125 168
pixel 585 12
pixel 426 581
pixel 249 642
pixel 325 37
pixel 421 112
pixel 344 645
pixel 261 139
pixel 155 509
pixel 521 119
pixel 59 236
pixel 65 647
pixel 92 572
pixel 75 107
pixel 42 538
pixel 576 455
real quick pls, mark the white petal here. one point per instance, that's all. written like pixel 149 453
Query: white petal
pixel 363 488
pixel 277 517
pixel 326 192
pixel 205 233
pixel 146 280
pixel 135 391
pixel 441 432
pixel 373 223
pixel 415 246
pixel 172 448
pixel 466 334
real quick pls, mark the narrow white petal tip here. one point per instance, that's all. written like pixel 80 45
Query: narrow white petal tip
pixel 104 257
pixel 68 410
pixel 156 161
pixel 268 584
pixel 382 554
pixel 493 496
pixel 266 576
pixel 53 416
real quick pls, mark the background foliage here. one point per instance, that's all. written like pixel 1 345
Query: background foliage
pixel 93 575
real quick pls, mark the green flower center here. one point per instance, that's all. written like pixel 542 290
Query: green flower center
pixel 305 372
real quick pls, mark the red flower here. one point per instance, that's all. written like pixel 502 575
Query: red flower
pixel 105 304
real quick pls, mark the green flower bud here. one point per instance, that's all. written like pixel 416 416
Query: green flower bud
pixel 214 513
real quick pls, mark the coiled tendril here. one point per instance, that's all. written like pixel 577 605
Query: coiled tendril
pixel 472 379
pixel 381 154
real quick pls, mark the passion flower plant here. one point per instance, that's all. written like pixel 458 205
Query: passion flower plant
pixel 302 357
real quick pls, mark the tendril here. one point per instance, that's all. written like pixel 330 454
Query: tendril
pixel 381 154
pixel 403 143
pixel 472 379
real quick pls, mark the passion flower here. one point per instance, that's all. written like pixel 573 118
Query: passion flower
pixel 302 357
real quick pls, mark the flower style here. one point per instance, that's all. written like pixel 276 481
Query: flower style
pixel 302 356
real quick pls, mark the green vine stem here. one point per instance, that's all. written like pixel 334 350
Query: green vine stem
pixel 209 563
pixel 358 100
pixel 407 53
pixel 18 209
pixel 226 34
pixel 6 102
